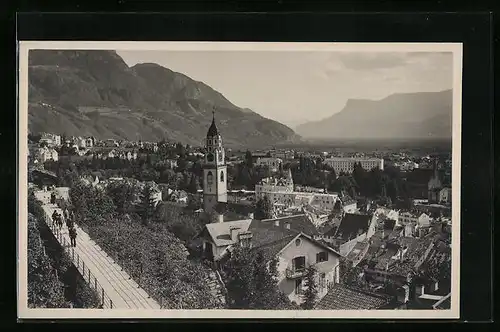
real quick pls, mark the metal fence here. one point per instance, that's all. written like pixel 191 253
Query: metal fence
pixel 105 301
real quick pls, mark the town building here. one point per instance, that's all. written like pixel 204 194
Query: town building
pixel 89 142
pixel 445 196
pixel 284 239
pixel 271 162
pixel 353 228
pixel 52 140
pixel 346 165
pixel 280 191
pixel 414 222
pixel 284 155
pixel 214 174
pixel 45 153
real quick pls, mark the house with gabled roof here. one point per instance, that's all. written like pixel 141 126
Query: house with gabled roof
pixel 283 238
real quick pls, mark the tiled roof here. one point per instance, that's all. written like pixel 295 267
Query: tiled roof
pixel 357 250
pixel 273 248
pixel 342 297
pixel 220 232
pixel 351 224
pixel 299 223
pixel 264 233
pixel 389 224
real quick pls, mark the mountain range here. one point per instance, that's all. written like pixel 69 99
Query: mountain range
pixel 421 115
pixel 95 93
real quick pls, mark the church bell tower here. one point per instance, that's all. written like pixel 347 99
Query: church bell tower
pixel 214 172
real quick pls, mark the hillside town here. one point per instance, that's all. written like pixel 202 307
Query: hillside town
pixel 343 231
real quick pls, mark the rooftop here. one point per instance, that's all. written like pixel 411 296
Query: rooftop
pixel 342 297
pixel 299 223
pixel 351 224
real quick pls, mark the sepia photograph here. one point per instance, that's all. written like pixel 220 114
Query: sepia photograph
pixel 239 180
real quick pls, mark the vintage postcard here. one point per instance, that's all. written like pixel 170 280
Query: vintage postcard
pixel 239 180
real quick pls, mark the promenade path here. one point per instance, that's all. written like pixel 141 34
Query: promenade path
pixel 115 288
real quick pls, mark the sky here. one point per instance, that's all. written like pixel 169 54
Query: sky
pixel 295 87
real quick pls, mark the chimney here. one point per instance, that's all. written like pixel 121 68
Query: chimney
pixel 233 231
pixel 245 239
pixel 220 217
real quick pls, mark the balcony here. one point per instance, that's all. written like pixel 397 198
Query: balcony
pixel 296 273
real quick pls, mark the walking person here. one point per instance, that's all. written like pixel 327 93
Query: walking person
pixel 66 214
pixel 60 221
pixel 72 236
pixel 68 221
pixel 52 198
pixel 54 218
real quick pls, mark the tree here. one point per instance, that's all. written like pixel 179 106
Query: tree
pixel 159 260
pixel 193 184
pixel 360 177
pixel 122 194
pixel 44 288
pixel 263 209
pixel 311 292
pixel 251 281
pixel 248 159
pixel 147 206
pixel 330 179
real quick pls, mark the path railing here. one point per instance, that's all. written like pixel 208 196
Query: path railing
pixel 105 301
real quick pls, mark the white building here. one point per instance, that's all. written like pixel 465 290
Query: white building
pixel 445 195
pixel 81 142
pixel 46 153
pixel 280 191
pixel 346 165
pixel 271 162
pixel 274 185
pixel 50 139
pixel 284 155
pixel 294 250
pixel 89 142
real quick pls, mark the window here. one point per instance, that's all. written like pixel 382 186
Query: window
pixel 298 286
pixel 297 242
pixel 321 257
pixel 209 178
pixel 222 176
pixel 322 281
pixel 299 263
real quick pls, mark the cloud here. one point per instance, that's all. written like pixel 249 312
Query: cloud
pixel 368 61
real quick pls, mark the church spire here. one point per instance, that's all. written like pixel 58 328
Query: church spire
pixel 213 131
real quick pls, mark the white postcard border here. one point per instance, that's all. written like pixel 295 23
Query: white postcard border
pixel 28 313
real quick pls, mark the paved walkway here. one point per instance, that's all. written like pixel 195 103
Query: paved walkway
pixel 105 275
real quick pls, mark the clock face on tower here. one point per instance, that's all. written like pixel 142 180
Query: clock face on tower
pixel 210 157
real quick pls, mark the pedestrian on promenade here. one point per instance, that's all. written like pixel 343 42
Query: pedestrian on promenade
pixel 66 214
pixel 72 236
pixel 52 198
pixel 59 220
pixel 54 218
pixel 68 222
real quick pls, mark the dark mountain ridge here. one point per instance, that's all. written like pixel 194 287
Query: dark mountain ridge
pixel 97 93
pixel 420 115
